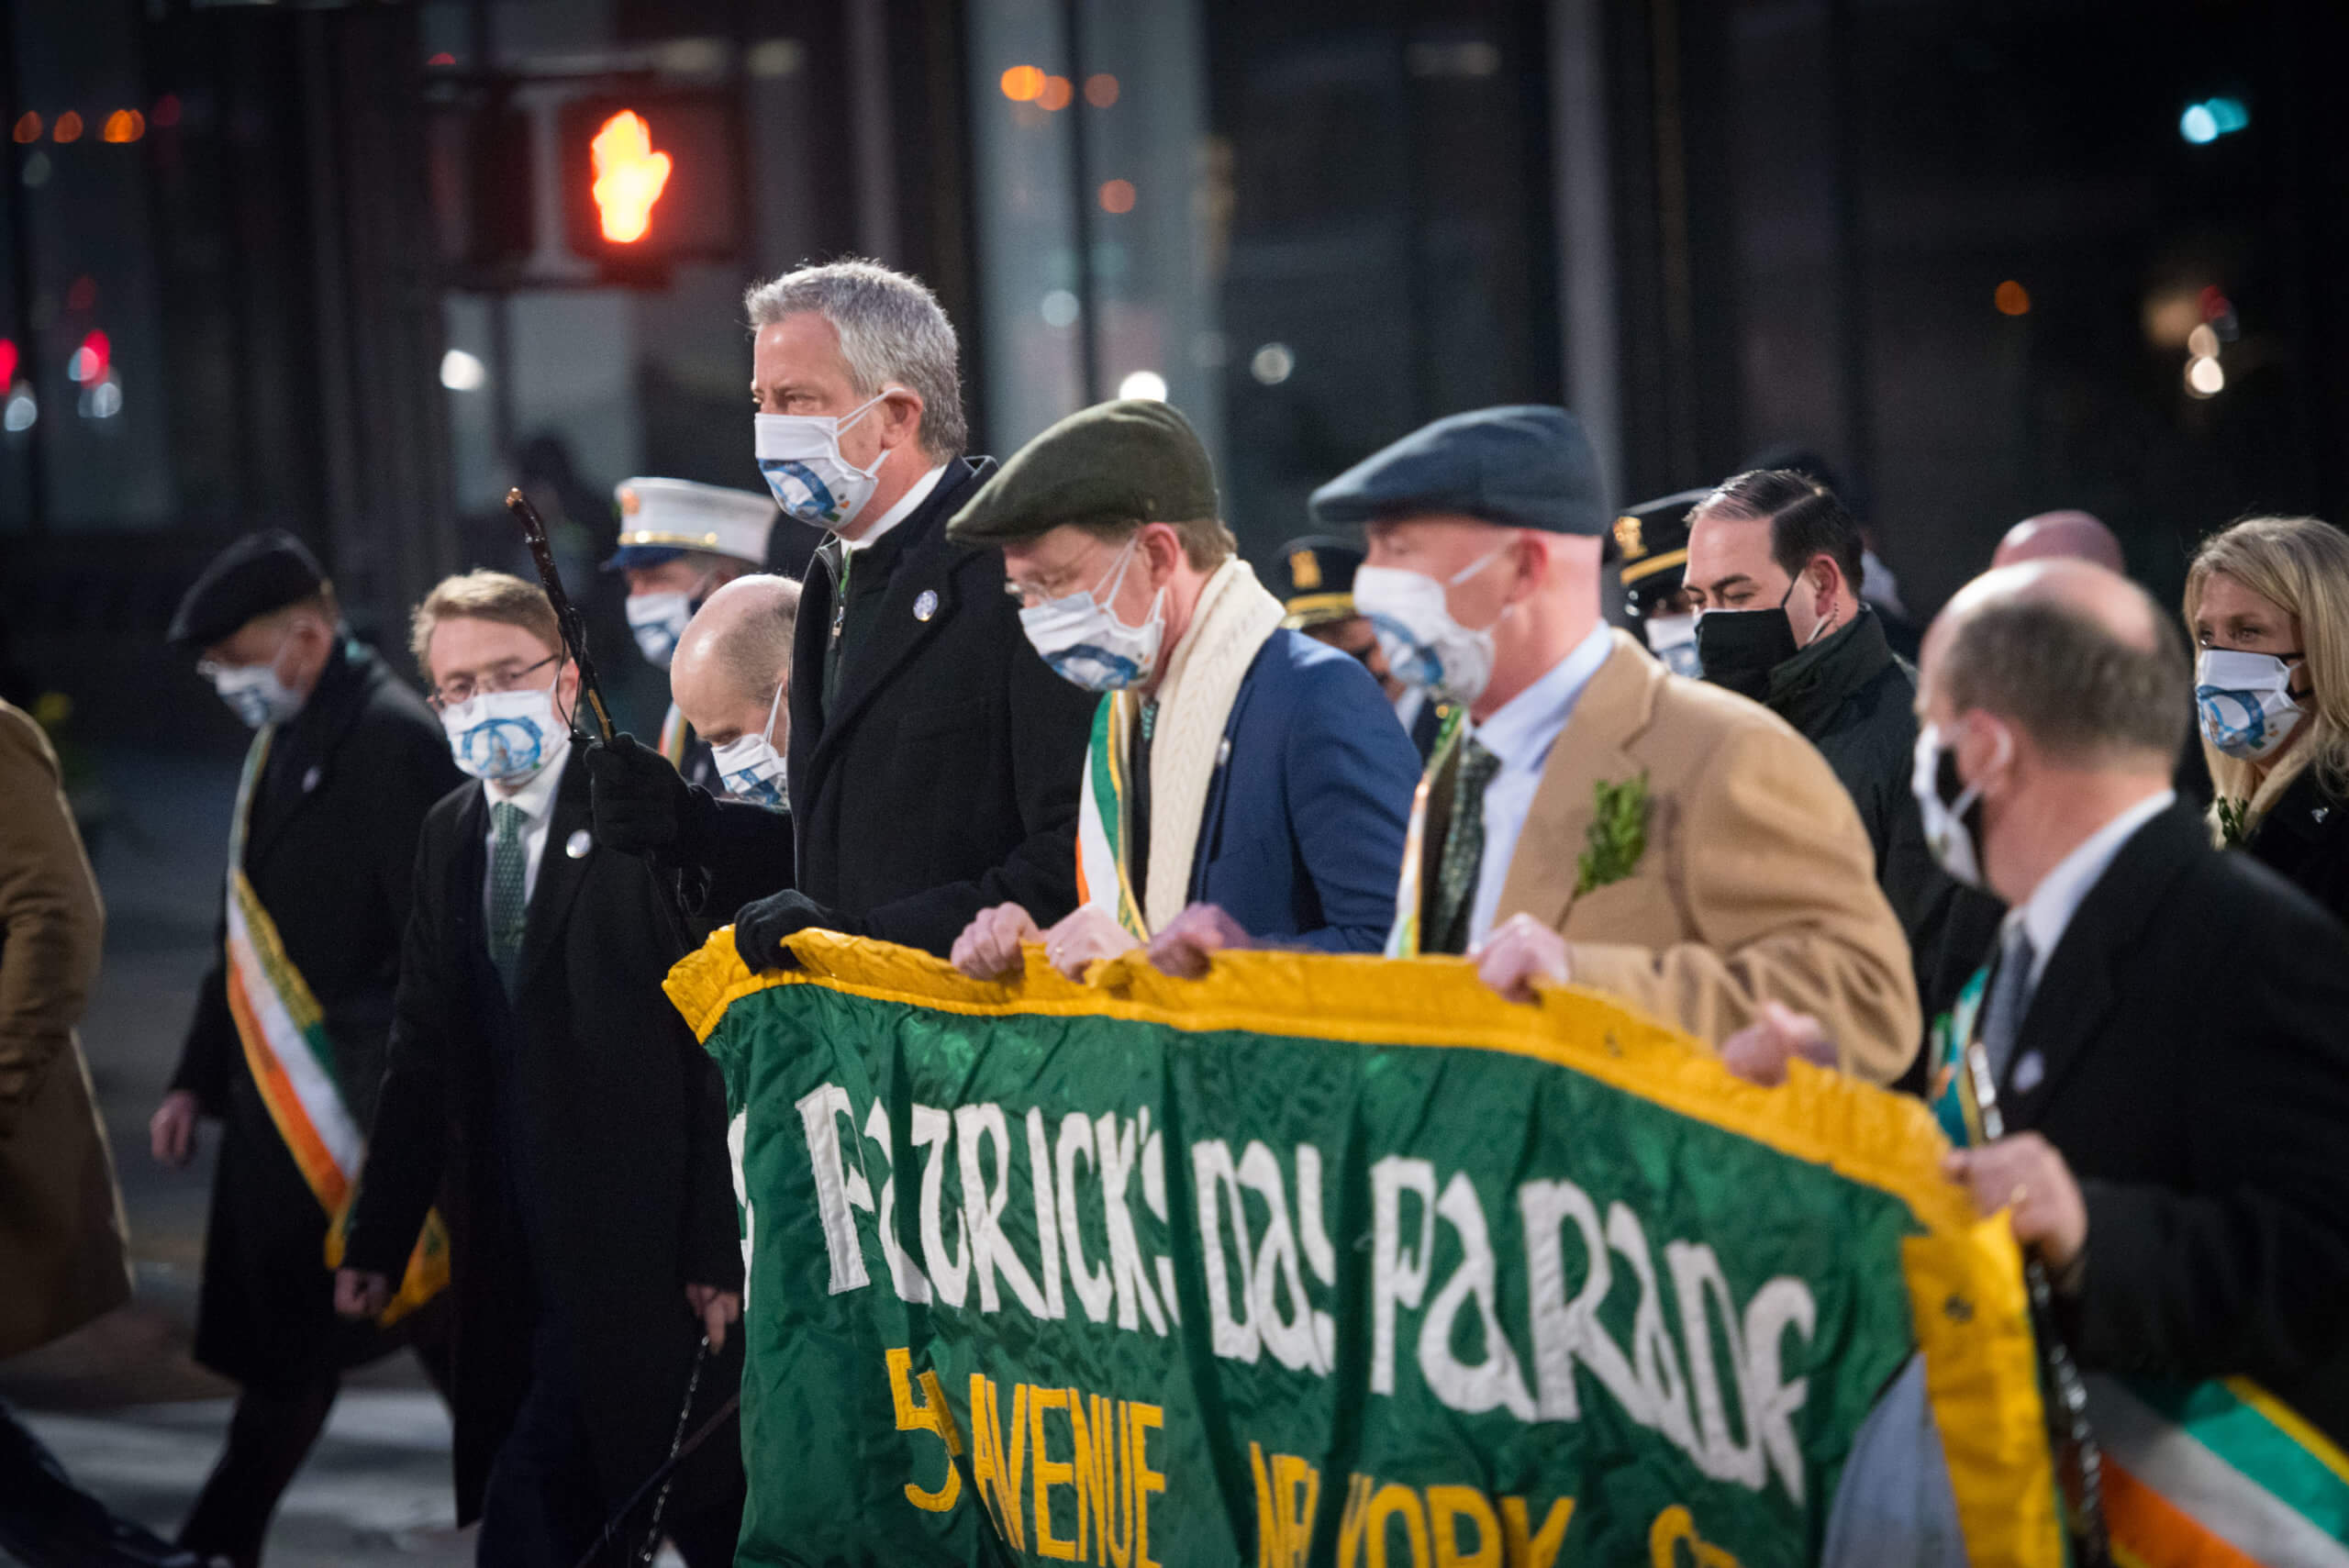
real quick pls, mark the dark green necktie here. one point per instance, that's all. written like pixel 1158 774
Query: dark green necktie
pixel 509 905
pixel 1464 851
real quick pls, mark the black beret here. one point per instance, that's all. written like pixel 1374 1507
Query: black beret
pixel 1314 579
pixel 1134 461
pixel 1652 544
pixel 260 572
pixel 1525 466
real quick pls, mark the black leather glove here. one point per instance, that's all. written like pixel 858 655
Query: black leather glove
pixel 761 925
pixel 639 801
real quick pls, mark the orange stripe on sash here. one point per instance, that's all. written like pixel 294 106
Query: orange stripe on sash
pixel 319 1171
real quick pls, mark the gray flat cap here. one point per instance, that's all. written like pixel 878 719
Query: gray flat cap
pixel 1525 466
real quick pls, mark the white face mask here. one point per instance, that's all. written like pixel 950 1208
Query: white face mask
pixel 1953 820
pixel 1424 646
pixel 1673 639
pixel 659 621
pixel 505 736
pixel 1085 643
pixel 2246 701
pixel 255 692
pixel 800 455
pixel 751 769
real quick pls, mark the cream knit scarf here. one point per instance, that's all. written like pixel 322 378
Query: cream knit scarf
pixel 1233 617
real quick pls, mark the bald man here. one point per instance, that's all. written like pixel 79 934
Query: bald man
pixel 730 678
pixel 2066 535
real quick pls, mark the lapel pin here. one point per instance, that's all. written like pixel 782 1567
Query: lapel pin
pixel 2028 1071
pixel 926 605
pixel 2321 812
pixel 310 781
pixel 578 844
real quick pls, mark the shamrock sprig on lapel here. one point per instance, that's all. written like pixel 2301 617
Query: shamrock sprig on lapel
pixel 2235 821
pixel 1618 835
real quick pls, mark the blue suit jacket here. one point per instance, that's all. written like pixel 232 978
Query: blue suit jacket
pixel 1302 837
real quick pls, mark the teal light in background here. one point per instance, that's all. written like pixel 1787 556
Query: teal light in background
pixel 2212 119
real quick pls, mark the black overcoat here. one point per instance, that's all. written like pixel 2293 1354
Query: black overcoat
pixel 2187 1050
pixel 944 778
pixel 2304 839
pixel 330 855
pixel 575 1141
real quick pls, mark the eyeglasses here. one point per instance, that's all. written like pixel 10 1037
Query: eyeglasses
pixel 467 684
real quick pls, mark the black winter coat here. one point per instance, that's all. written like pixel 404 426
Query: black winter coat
pixel 2304 839
pixel 2187 1050
pixel 1851 697
pixel 330 853
pixel 574 1140
pixel 943 778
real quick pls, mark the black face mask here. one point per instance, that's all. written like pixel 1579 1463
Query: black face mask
pixel 1738 648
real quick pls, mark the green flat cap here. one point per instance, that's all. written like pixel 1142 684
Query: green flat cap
pixel 1134 461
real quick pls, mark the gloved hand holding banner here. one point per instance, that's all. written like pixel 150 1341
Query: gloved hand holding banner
pixel 1329 1259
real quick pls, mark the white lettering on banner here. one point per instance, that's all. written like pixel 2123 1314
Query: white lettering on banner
pixel 903 1273
pixel 1153 1197
pixel 1093 1289
pixel 1396 1278
pixel 1495 1382
pixel 820 1110
pixel 1048 1229
pixel 1217 1185
pixel 1318 1253
pixel 948 1274
pixel 990 1251
pixel 738 1132
pixel 1693 1368
pixel 1293 1337
pixel 1116 1143
pixel 1564 1332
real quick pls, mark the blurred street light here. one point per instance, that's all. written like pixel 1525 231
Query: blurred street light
pixel 1146 384
pixel 462 372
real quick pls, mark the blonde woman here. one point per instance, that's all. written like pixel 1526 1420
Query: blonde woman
pixel 2267 602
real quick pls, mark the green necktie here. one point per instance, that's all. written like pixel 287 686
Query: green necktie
pixel 1464 851
pixel 510 905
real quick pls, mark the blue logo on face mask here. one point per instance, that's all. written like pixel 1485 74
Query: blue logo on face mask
pixel 1093 668
pixel 758 791
pixel 799 492
pixel 500 748
pixel 2231 718
pixel 1418 666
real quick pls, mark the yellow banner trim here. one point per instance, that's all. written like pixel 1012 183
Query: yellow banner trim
pixel 1965 1275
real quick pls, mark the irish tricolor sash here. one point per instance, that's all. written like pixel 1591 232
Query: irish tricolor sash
pixel 1104 876
pixel 676 736
pixel 2214 1474
pixel 1403 939
pixel 292 1063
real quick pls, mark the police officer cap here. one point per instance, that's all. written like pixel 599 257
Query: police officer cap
pixel 1526 466
pixel 1134 461
pixel 260 572
pixel 1314 580
pixel 1652 543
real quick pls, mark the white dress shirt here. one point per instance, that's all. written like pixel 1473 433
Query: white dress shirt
pixel 536 797
pixel 2052 905
pixel 898 513
pixel 1520 733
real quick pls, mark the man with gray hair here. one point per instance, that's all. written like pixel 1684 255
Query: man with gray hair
pixel 933 761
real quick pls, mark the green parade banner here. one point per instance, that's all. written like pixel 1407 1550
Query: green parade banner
pixel 1328 1260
